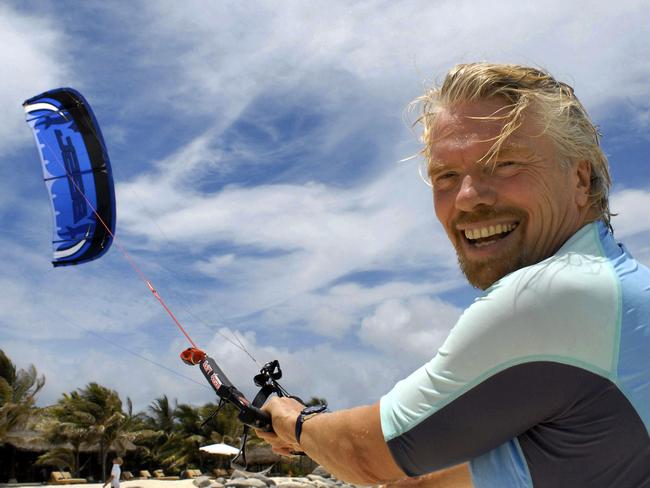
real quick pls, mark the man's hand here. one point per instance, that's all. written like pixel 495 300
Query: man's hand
pixel 348 443
pixel 284 412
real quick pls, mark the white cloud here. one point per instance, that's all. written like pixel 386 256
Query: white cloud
pixel 632 206
pixel 409 328
pixel 308 235
pixel 67 366
pixel 40 302
pixel 341 308
pixel 632 225
pixel 232 55
pixel 31 51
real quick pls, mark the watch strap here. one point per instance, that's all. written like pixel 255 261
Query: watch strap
pixel 306 414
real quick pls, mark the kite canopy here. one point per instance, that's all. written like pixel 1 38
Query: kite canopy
pixel 77 174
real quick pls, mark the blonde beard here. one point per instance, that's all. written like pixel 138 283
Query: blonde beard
pixel 484 274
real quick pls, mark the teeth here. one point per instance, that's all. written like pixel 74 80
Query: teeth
pixel 492 230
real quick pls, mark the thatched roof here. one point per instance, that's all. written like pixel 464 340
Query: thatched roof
pixel 31 440
pixel 28 440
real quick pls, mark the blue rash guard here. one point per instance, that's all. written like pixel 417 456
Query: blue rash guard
pixel 542 382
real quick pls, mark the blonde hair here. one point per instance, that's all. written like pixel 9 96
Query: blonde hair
pixel 563 117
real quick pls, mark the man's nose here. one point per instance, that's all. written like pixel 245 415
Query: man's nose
pixel 474 191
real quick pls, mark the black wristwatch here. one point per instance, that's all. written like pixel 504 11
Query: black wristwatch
pixel 306 414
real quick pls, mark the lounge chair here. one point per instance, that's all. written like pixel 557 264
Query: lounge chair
pixel 57 477
pixel 159 474
pixel 65 478
pixel 127 475
pixel 192 473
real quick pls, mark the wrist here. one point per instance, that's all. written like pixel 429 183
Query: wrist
pixel 306 414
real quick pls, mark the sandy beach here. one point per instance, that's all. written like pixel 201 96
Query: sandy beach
pixel 186 483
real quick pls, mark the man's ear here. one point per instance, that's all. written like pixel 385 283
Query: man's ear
pixel 582 171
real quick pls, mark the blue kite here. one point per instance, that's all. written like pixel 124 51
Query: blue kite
pixel 77 173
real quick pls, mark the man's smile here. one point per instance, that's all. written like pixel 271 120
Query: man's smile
pixel 485 234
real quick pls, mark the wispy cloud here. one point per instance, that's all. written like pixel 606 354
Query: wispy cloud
pixel 32 55
pixel 414 327
pixel 291 239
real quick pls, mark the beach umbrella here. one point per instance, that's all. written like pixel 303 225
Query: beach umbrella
pixel 223 449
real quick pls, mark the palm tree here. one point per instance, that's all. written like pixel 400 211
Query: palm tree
pixel 181 431
pixel 224 427
pixel 161 416
pixel 65 424
pixel 18 389
pixel 69 423
pixel 61 457
pixel 99 409
pixel 182 448
pixel 92 416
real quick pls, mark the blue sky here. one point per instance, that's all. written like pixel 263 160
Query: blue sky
pixel 257 152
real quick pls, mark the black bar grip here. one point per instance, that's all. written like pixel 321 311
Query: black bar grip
pixel 256 418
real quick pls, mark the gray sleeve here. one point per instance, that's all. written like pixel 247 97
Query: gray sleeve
pixel 542 395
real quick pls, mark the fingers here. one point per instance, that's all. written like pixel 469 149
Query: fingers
pixel 285 451
pixel 278 446
pixel 282 404
pixel 267 436
pixel 284 412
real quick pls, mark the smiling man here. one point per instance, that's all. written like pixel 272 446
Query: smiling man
pixel 512 209
pixel 544 381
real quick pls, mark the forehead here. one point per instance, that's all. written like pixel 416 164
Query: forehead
pixel 476 125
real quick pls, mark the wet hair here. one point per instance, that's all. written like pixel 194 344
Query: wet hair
pixel 527 90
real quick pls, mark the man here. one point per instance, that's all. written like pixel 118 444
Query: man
pixel 116 472
pixel 545 380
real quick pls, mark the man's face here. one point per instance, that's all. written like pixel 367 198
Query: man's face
pixel 513 211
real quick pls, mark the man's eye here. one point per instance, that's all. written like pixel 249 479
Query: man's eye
pixel 505 167
pixel 444 180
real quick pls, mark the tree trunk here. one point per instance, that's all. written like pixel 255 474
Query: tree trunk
pixel 12 463
pixel 103 453
pixel 77 469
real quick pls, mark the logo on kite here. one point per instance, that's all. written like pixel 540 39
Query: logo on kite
pixel 77 174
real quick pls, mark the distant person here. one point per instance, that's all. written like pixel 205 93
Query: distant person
pixel 116 472
pixel 545 380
